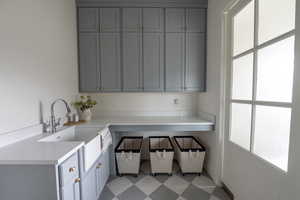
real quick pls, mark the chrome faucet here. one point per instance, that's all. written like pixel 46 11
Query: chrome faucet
pixel 53 123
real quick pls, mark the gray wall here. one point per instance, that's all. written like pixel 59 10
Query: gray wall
pixel 38 59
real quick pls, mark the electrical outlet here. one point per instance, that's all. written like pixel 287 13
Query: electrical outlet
pixel 176 101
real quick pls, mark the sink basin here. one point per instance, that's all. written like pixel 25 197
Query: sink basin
pixel 92 143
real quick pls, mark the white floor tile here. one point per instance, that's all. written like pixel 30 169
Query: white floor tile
pixel 209 190
pixel 203 182
pixel 148 184
pixel 119 185
pixel 176 184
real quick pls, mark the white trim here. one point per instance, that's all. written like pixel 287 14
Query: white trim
pixel 226 78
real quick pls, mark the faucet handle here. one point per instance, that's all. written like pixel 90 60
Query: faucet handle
pixel 58 122
pixel 46 126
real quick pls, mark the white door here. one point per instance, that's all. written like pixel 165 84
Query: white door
pixel 259 97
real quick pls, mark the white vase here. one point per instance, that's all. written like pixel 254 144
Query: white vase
pixel 85 115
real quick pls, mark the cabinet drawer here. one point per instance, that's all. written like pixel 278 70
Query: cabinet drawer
pixel 68 171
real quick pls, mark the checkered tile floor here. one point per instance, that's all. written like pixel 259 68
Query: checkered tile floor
pixel 162 187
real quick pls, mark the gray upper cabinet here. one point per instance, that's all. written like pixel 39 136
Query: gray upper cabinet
pixel 110 62
pixel 175 55
pixel 110 20
pixel 153 61
pixel 88 19
pixel 132 19
pixel 88 62
pixel 195 62
pixel 196 20
pixel 132 61
pixel 175 20
pixel 142 49
pixel 153 20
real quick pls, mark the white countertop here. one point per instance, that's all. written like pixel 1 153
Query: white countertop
pixel 31 151
pixel 114 121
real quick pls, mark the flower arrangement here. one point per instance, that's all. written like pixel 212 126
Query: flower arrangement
pixel 85 103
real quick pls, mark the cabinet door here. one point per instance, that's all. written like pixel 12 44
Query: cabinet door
pixel 88 19
pixel 70 191
pixel 99 179
pixel 88 62
pixel 132 60
pixel 88 186
pixel 153 62
pixel 195 62
pixel 153 20
pixel 132 19
pixel 106 166
pixel 109 19
pixel 175 54
pixel 196 20
pixel 110 62
pixel 175 20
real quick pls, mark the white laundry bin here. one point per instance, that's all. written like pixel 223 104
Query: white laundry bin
pixel 128 155
pixel 161 155
pixel 190 154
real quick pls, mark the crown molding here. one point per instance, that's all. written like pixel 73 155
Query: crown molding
pixel 142 3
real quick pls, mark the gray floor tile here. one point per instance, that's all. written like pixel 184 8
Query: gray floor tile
pixel 162 177
pixel 163 193
pixel 106 194
pixel 134 179
pixel 221 194
pixel 133 193
pixel 188 177
pixel 194 193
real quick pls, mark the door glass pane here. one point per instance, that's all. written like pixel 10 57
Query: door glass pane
pixel 275 71
pixel 243 33
pixel 242 76
pixel 272 132
pixel 240 128
pixel 276 17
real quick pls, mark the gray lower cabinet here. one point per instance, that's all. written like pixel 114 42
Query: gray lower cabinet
pixel 175 61
pixel 153 62
pixel 88 185
pixel 132 61
pixel 96 178
pixel 71 191
pixel 89 75
pixel 41 182
pixel 102 172
pixel 110 63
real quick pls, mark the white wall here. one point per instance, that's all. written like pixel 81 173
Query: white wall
pixel 145 104
pixel 210 101
pixel 247 176
pixel 38 59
